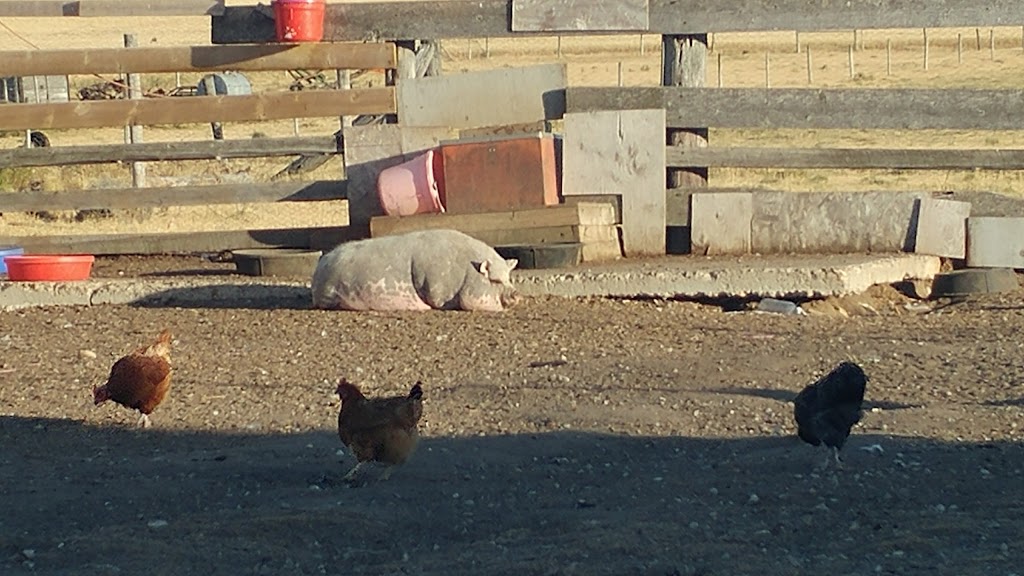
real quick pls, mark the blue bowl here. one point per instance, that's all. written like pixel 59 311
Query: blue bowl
pixel 8 251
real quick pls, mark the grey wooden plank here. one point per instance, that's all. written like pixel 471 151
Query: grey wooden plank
pixel 851 158
pixel 32 201
pixel 898 109
pixel 168 243
pixel 527 94
pixel 492 18
pixel 942 227
pixel 579 15
pixel 697 16
pixel 149 8
pixel 161 151
pixel 37 8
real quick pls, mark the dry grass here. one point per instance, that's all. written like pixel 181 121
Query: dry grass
pixel 590 61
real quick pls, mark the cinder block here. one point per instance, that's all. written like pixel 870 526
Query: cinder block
pixel 721 222
pixel 942 228
pixel 995 242
pixel 499 174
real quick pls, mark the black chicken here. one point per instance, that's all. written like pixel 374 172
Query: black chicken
pixel 826 410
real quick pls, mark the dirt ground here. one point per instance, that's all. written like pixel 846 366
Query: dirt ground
pixel 562 437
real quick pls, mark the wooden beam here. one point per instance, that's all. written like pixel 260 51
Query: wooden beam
pixel 97 199
pixel 699 16
pixel 242 57
pixel 198 109
pixel 493 18
pixel 106 8
pixel 866 109
pixel 147 8
pixel 170 243
pixel 597 214
pixel 169 151
pixel 37 8
pixel 847 158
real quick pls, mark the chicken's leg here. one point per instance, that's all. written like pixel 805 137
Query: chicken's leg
pixel 352 473
pixel 835 454
pixel 144 421
pixel 387 472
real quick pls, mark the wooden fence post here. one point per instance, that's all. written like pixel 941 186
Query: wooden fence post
pixel 684 63
pixel 133 133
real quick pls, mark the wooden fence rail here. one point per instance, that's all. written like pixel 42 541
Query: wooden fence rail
pixel 846 158
pixel 102 8
pixel 493 18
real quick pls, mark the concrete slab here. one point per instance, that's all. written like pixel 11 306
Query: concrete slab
pixel 833 222
pixel 673 276
pixel 721 223
pixel 942 228
pixel 696 277
pixel 468 100
pixel 994 242
pixel 621 153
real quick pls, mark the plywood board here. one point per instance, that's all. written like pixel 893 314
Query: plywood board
pixel 370 149
pixel 579 15
pixel 942 227
pixel 488 98
pixel 621 152
pixel 720 223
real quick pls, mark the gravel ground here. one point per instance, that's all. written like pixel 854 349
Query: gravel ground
pixel 585 437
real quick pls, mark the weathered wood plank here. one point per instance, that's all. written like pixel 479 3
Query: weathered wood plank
pixel 598 214
pixel 242 57
pixel 698 16
pixel 159 197
pixel 579 15
pixel 106 8
pixel 492 18
pixel 169 243
pixel 168 151
pixel 198 109
pixel 899 109
pixel 37 8
pixel 847 158
pixel 528 94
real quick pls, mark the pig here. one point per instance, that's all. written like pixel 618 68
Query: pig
pixel 424 270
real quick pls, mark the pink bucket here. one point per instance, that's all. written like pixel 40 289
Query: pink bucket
pixel 411 187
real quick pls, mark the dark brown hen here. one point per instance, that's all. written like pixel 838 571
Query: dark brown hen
pixel 379 429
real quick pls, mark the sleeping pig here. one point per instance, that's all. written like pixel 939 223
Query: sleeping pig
pixel 429 269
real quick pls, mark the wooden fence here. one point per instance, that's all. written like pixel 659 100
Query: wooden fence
pixel 193 109
pixel 691 108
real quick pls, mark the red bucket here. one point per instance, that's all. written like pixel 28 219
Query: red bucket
pixel 299 20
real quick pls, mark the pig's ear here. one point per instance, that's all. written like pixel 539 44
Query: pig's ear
pixel 484 268
pixel 512 262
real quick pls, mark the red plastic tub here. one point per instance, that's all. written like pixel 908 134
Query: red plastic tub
pixel 49 268
pixel 299 20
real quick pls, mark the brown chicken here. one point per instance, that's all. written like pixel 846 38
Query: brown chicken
pixel 379 429
pixel 139 380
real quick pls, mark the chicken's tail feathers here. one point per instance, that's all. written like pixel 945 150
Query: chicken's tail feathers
pixel 162 346
pixel 100 394
pixel 416 393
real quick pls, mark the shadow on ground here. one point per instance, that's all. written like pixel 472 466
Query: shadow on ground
pixel 235 296
pixel 86 499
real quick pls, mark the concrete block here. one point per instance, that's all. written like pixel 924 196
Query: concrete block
pixel 476 174
pixel 942 228
pixel 490 98
pixel 721 223
pixel 370 149
pixel 995 242
pixel 621 152
pixel 831 223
